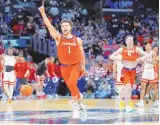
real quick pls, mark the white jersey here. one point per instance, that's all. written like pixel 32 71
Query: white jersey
pixel 148 65
pixel 9 60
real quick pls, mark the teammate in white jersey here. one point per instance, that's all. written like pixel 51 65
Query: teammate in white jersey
pixel 9 74
pixel 148 75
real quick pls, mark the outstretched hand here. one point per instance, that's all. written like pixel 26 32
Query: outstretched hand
pixel 41 9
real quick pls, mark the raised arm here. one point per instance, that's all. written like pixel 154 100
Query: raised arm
pixel 54 33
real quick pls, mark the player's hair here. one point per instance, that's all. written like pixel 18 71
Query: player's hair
pixel 128 37
pixel 68 21
pixel 134 40
pixel 10 48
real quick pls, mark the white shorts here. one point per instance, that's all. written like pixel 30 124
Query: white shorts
pixel 9 78
pixel 149 75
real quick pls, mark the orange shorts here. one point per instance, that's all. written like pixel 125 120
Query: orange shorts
pixel 71 74
pixel 128 76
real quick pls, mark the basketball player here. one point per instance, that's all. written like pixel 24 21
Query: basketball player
pixel 9 74
pixel 71 56
pixel 22 72
pixel 128 57
pixel 32 77
pixel 51 74
pixel 117 71
pixel 51 67
pixel 40 72
pixel 149 76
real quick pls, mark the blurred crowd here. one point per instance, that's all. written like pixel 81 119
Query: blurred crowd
pixel 100 38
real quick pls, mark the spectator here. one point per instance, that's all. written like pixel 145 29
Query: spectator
pixel 90 89
pixel 104 90
pixel 106 49
pixel 54 11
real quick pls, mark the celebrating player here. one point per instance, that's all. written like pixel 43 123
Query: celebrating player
pixel 71 56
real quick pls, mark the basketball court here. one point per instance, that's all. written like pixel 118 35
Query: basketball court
pixel 100 111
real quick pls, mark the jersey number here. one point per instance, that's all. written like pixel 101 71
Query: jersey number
pixel 69 49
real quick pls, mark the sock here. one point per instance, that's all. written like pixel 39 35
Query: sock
pixel 141 101
pixel 6 89
pixel 156 101
pixel 11 91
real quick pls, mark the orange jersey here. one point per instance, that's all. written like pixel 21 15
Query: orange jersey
pixel 21 68
pixel 51 68
pixel 69 51
pixel 129 54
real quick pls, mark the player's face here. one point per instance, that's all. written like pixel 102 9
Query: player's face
pixel 10 52
pixel 22 59
pixel 148 47
pixel 129 41
pixel 66 28
pixel 46 61
pixel 52 59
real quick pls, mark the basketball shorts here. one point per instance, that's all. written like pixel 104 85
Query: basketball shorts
pixel 149 75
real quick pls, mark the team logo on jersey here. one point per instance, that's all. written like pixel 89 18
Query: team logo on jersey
pixel 69 44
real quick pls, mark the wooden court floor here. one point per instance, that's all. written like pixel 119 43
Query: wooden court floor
pixel 100 111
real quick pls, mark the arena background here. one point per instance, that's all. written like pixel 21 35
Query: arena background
pixel 100 24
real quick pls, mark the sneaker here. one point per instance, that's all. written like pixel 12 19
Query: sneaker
pixel 121 105
pixel 152 95
pixel 3 99
pixel 83 116
pixel 129 109
pixel 82 105
pixel 57 96
pixel 131 104
pixel 76 107
pixel 50 97
pixel 146 99
pixel 9 100
pixel 14 98
pixel 155 104
pixel 139 104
